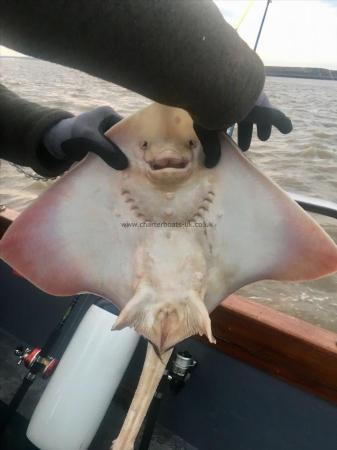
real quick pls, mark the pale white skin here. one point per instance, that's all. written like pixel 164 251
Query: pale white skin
pixel 165 280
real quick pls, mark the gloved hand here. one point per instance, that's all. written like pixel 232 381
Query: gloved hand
pixel 210 144
pixel 74 137
pixel 264 116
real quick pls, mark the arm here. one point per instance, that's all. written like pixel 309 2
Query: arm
pixel 22 123
pixel 180 53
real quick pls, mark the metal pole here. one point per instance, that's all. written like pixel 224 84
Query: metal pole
pixel 261 26
pixel 231 129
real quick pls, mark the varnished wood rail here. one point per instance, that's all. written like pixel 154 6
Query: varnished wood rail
pixel 289 348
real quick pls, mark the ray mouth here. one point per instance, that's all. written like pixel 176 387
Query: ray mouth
pixel 174 164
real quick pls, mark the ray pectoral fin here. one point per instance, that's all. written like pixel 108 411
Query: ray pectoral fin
pixel 306 250
pixel 309 253
pixel 62 242
pixel 266 235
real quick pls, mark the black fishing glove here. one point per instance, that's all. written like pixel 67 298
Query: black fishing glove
pixel 264 116
pixel 71 139
pixel 210 144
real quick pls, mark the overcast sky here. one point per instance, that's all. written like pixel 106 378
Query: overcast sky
pixel 296 32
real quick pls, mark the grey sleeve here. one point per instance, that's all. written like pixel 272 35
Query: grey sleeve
pixel 22 125
pixel 177 52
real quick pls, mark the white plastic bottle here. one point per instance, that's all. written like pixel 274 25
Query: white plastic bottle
pixel 81 389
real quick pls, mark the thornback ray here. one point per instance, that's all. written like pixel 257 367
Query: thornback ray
pixel 167 239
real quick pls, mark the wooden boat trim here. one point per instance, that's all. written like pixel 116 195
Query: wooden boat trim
pixel 7 216
pixel 286 347
pixel 291 349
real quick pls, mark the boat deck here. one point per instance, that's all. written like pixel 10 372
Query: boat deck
pixel 228 404
pixel 14 437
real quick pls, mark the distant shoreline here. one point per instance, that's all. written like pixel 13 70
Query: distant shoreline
pixel 301 72
pixel 313 73
pixel 15 57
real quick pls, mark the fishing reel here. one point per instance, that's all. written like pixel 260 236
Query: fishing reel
pixel 180 372
pixel 32 357
pixel 175 378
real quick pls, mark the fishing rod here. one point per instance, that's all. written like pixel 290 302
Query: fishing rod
pixel 179 371
pixel 37 361
pixel 261 25
pixel 231 129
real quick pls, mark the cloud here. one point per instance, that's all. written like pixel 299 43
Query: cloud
pixel 296 33
pixel 4 51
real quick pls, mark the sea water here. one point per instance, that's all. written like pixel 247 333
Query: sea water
pixel 304 161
